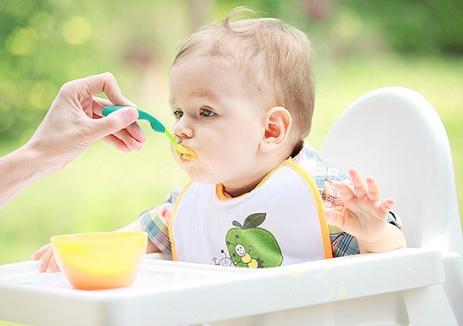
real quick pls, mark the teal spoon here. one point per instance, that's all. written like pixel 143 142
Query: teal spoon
pixel 156 125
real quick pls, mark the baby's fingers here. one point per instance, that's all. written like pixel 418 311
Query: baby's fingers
pixel 360 186
pixel 373 189
pixel 386 205
pixel 45 260
pixel 345 192
pixel 53 266
pixel 39 253
pixel 335 217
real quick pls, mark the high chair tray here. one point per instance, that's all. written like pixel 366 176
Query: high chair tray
pixel 176 293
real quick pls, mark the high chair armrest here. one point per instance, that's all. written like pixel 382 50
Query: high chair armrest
pixel 158 256
pixel 176 293
pixel 281 288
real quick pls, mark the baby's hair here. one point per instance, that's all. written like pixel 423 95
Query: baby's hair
pixel 274 56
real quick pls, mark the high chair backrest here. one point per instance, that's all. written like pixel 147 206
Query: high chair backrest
pixel 395 135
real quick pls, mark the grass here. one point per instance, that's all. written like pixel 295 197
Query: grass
pixel 104 189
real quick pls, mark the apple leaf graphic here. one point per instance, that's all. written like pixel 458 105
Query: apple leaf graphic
pixel 254 220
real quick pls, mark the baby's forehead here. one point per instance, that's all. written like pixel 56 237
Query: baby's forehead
pixel 200 75
pixel 226 53
pixel 200 93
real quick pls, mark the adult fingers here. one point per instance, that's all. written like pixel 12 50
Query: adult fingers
pixel 117 143
pixel 98 104
pixel 113 123
pixel 134 129
pixel 127 138
pixel 107 84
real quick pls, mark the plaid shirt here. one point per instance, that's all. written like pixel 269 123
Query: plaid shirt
pixel 155 220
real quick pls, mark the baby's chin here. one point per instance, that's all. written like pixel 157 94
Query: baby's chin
pixel 197 173
pixel 200 176
pixel 203 178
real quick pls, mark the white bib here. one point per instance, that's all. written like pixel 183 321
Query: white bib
pixel 280 222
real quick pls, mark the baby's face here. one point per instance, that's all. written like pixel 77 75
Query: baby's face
pixel 219 118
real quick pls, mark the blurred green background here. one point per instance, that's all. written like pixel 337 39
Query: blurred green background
pixel 360 45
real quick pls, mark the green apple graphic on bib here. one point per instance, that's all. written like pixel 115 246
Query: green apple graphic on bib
pixel 251 246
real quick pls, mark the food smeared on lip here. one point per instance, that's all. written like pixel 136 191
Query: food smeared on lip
pixel 186 153
pixel 179 147
pixel 187 157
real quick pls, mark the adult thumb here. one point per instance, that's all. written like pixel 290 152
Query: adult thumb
pixel 114 122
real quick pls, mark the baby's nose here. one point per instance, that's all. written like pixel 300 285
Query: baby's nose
pixel 182 133
pixel 183 128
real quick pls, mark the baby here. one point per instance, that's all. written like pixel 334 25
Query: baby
pixel 242 96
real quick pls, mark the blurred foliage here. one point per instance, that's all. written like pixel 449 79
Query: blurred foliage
pixel 45 43
pixel 415 26
pixel 41 48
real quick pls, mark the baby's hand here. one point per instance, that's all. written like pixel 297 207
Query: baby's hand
pixel 47 258
pixel 364 215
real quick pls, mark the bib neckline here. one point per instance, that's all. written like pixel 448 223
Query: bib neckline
pixel 222 195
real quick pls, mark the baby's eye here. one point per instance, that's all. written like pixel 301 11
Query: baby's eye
pixel 177 114
pixel 206 113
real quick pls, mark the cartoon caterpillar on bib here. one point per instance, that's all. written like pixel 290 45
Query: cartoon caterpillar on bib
pixel 251 246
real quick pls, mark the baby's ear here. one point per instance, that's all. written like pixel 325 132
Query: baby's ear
pixel 278 123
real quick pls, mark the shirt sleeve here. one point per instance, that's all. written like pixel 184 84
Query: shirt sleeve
pixel 342 243
pixel 155 222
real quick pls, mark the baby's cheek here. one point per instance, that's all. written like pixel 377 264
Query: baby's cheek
pixel 219 168
pixel 226 161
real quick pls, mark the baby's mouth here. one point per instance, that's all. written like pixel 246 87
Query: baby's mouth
pixel 185 152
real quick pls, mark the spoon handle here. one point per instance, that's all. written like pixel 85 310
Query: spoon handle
pixel 156 125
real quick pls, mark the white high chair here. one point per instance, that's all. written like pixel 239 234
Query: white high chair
pixel 396 135
pixel 393 134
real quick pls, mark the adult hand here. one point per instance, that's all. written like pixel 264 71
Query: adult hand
pixel 74 121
